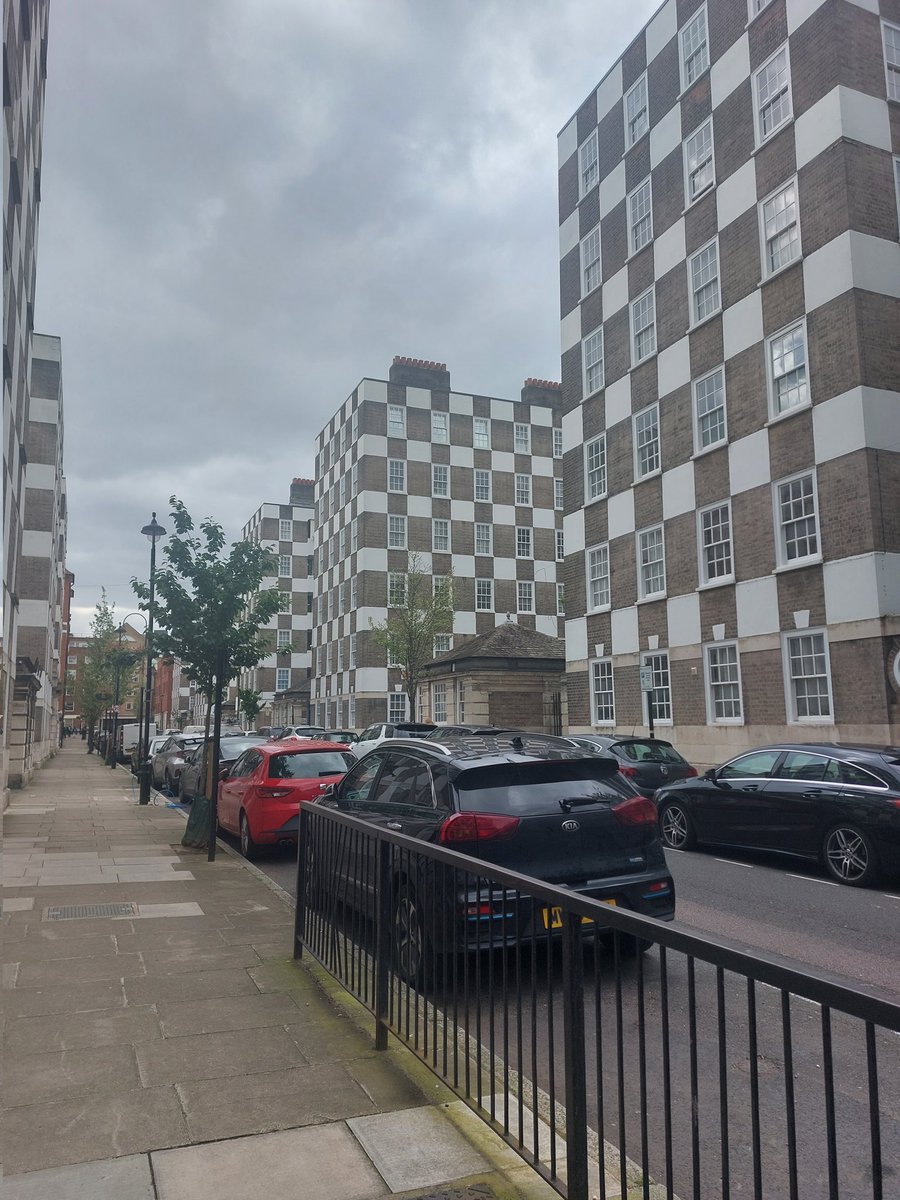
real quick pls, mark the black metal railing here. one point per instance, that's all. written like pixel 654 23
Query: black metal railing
pixel 698 1067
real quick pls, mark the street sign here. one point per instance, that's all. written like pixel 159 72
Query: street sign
pixel 646 679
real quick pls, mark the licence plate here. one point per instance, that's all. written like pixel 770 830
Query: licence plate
pixel 553 916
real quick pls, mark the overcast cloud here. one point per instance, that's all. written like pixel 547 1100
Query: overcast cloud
pixel 249 206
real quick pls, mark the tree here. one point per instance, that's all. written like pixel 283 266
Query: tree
pixel 249 703
pixel 95 689
pixel 419 609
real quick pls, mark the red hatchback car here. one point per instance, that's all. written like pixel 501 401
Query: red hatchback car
pixel 259 797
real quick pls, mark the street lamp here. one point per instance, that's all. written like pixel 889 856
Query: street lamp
pixel 153 532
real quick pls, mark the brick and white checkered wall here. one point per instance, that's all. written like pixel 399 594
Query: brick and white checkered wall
pixel 764 139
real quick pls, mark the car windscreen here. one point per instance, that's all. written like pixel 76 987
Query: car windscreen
pixel 187 743
pixel 537 787
pixel 649 752
pixel 309 766
pixel 235 747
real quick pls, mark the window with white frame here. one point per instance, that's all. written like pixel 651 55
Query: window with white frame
pixel 345 539
pixel 354 535
pixel 637 121
pixel 439 702
pixel 772 94
pixel 808 676
pixel 482 485
pixel 284 565
pixel 710 427
pixel 523 542
pixel 354 591
pixel 560 599
pixel 351 712
pixel 640 217
pixel 440 427
pixel 342 598
pixel 283 639
pixel 714 540
pixel 285 599
pixel 442 643
pixel 484 538
pixel 595 468
pixel 557 433
pixel 797 519
pixel 397 703
pixel 699 164
pixel 525 596
pixel 522 439
pixel 560 546
pixel 352 655
pixel 461 700
pixel 603 700
pixel 590 261
pixel 896 190
pixel 481 433
pixel 597 564
pixel 779 218
pixel 440 535
pixel 396 532
pixel 440 480
pixel 592 360
pixel 396 475
pixel 891 35
pixel 558 495
pixel 396 423
pixel 342 490
pixel 643 327
pixel 285 530
pixel 651 559
pixel 354 478
pixel 438 582
pixel 694 45
pixel 786 357
pixel 484 595
pixel 755 7
pixel 703 272
pixel 646 442
pixel 354 424
pixel 396 589
pixel 523 489
pixel 282 679
pixel 661 695
pixel 340 654
pixel 723 684
pixel 588 165
pixel 393 659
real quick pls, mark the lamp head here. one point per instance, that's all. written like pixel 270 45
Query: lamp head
pixel 154 531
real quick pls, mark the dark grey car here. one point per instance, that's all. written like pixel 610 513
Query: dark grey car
pixel 649 763
pixel 193 777
pixel 167 763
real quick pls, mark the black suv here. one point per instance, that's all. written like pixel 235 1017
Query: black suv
pixel 530 804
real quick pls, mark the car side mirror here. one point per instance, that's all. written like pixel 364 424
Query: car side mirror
pixel 224 773
pixel 327 792
pixel 710 774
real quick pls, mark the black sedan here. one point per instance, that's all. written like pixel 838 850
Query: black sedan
pixel 649 763
pixel 836 804
pixel 192 781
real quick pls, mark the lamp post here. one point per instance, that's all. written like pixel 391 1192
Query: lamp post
pixel 154 531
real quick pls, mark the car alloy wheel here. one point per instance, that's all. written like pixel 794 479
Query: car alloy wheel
pixel 249 848
pixel 676 829
pixel 409 941
pixel 850 856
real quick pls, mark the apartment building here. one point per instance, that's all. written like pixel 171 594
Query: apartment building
pixel 287 531
pixel 468 484
pixel 730 319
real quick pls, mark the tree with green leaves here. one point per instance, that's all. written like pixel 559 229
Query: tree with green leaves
pixel 420 608
pixel 249 703
pixel 95 688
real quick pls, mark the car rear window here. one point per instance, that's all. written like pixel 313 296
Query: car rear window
pixel 649 752
pixel 308 766
pixel 536 787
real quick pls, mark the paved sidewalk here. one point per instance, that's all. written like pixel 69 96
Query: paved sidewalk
pixel 170 1047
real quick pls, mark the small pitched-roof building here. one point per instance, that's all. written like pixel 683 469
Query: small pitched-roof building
pixel 509 676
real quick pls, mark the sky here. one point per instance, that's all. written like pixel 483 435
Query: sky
pixel 250 205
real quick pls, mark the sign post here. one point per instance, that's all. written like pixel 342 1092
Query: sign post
pixel 647 686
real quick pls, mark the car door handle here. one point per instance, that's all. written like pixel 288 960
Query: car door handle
pixel 813 792
pixel 394 825
pixel 750 787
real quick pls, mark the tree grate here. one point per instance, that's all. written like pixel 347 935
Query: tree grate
pixel 72 912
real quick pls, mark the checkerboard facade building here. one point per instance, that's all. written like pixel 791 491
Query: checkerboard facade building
pixel 286 530
pixel 470 484
pixel 730 317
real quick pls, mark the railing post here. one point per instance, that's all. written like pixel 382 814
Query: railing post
pixel 573 1044
pixel 300 910
pixel 382 943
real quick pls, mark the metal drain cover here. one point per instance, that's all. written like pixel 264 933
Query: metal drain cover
pixel 72 912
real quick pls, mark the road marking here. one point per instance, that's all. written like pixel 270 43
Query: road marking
pixel 732 863
pixel 888 896
pixel 812 879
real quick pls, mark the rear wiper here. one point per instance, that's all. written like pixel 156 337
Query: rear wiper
pixel 578 801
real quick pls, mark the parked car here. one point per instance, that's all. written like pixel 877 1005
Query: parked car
pixel 301 731
pixel 832 803
pixel 445 733
pixel 569 820
pixel 649 763
pixel 192 780
pixel 346 737
pixel 167 763
pixel 260 795
pixel 371 737
pixel 155 743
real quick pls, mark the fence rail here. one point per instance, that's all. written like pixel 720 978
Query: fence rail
pixel 707 1070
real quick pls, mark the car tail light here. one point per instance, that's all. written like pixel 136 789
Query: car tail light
pixel 477 827
pixel 637 810
pixel 691 773
pixel 660 886
pixel 631 772
pixel 272 793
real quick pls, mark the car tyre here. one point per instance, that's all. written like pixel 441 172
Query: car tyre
pixel 849 856
pixel 676 829
pixel 410 941
pixel 629 946
pixel 249 848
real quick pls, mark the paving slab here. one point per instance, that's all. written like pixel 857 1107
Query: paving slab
pixel 203 985
pixel 174 962
pixel 416 1148
pixel 66 998
pixel 58 1075
pixel 80 970
pixel 126 1178
pixel 73 1031
pixel 216 1055
pixel 40 948
pixel 320 1162
pixel 224 1013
